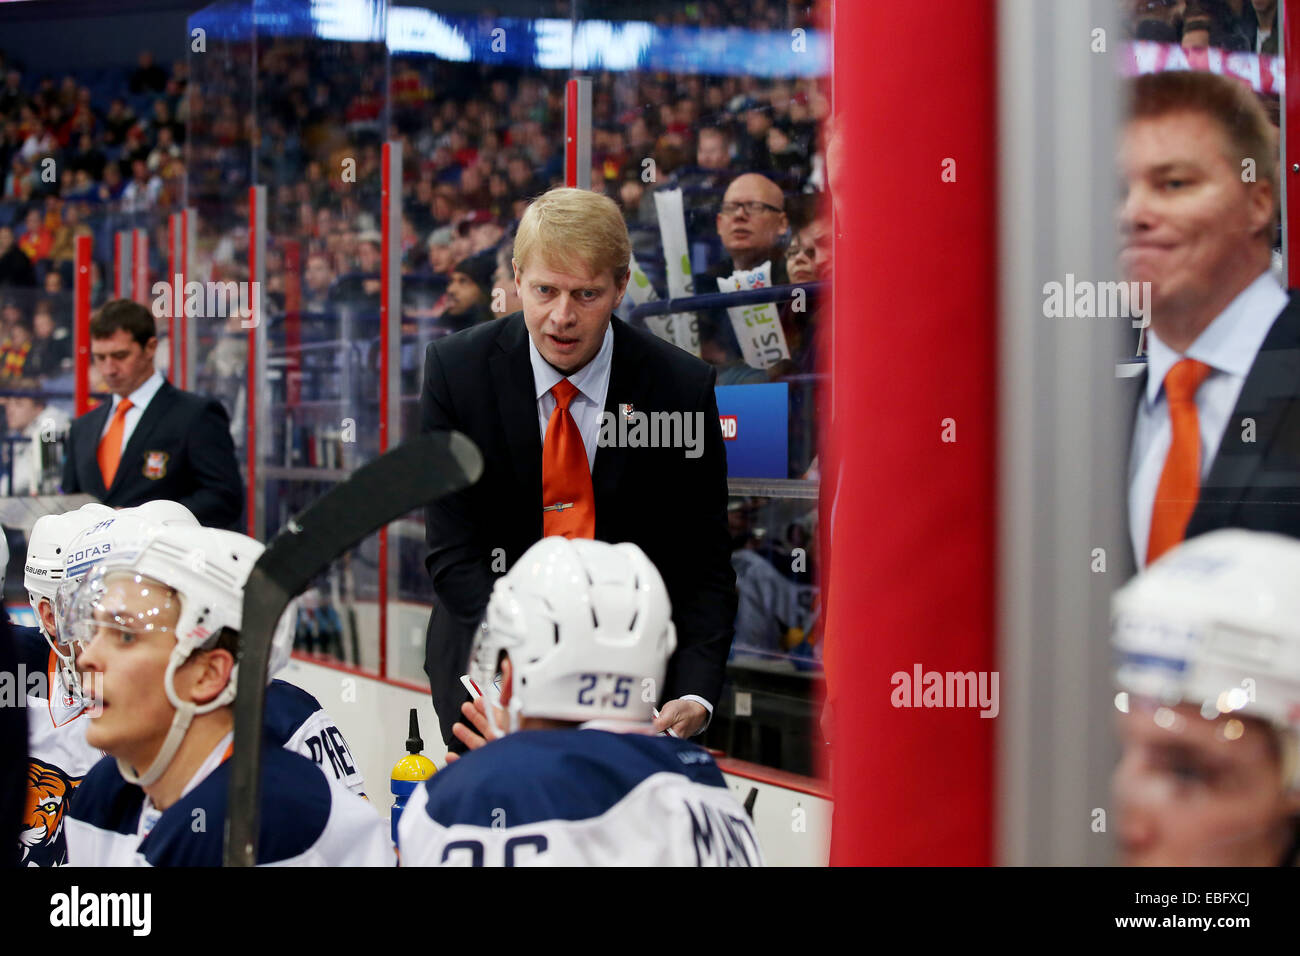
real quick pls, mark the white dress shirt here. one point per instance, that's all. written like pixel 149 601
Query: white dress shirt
pixel 140 400
pixel 592 383
pixel 1228 345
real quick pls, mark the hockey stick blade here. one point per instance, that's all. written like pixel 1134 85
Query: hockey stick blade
pixel 407 478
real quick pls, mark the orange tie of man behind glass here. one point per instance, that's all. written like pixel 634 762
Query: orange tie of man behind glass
pixel 110 446
pixel 569 504
pixel 1180 481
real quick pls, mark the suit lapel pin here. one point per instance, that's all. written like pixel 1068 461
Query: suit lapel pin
pixel 155 464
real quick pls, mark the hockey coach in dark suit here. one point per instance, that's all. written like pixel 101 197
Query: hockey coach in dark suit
pixel 588 428
pixel 1216 419
pixel 153 441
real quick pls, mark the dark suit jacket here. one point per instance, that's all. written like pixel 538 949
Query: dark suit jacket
pixel 180 450
pixel 1255 484
pixel 480 382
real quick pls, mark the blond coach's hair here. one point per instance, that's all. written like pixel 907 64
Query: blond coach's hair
pixel 1247 130
pixel 574 227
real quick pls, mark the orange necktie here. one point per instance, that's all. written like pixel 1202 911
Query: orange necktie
pixel 568 502
pixel 1180 482
pixel 110 446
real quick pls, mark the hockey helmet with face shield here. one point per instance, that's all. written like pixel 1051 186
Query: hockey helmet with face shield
pixel 183 581
pixel 47 549
pixel 1207 644
pixel 1216 623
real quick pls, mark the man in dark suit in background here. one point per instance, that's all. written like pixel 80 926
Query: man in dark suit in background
pixel 1216 438
pixel 153 440
pixel 542 393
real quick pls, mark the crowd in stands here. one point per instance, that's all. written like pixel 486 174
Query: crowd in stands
pixel 1233 25
pixel 478 143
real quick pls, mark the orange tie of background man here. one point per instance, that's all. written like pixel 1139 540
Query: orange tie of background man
pixel 568 502
pixel 110 446
pixel 1180 481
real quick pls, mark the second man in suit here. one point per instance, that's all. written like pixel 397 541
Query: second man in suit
pixel 1216 437
pixel 543 393
pixel 153 440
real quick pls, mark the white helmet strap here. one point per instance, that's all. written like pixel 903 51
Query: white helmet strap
pixel 186 711
pixel 172 743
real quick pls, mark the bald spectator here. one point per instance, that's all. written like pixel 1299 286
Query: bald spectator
pixel 750 221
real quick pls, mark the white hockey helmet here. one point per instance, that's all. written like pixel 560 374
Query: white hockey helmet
pixel 1215 623
pixel 47 547
pixel 202 572
pixel 164 512
pixel 125 528
pixel 43 573
pixel 588 627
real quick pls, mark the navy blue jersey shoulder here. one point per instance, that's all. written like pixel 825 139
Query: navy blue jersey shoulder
pixel 287 708
pixel 296 803
pixel 33 653
pixel 106 801
pixel 536 775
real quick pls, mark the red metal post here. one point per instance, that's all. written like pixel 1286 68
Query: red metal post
pixel 384 371
pixel 83 252
pixel 252 400
pixel 571 133
pixel 912 573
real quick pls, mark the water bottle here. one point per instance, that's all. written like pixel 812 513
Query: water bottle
pixel 409 772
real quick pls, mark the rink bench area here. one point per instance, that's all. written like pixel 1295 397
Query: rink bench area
pixel 792 814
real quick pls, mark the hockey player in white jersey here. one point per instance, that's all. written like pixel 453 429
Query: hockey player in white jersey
pixel 60 550
pixel 580 633
pixel 58 755
pixel 1208 669
pixel 294 719
pixel 159 629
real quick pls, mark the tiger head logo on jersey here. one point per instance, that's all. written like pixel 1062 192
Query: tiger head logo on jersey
pixel 42 838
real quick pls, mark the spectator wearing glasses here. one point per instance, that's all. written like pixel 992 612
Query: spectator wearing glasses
pixel 750 221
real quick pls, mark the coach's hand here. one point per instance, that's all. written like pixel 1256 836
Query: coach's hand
pixel 476 713
pixel 683 717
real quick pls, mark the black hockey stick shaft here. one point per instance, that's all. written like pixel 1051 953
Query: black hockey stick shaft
pixel 408 477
